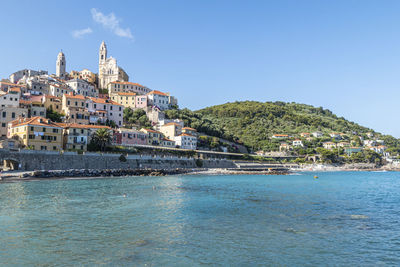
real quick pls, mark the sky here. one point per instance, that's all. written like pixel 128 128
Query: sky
pixel 341 55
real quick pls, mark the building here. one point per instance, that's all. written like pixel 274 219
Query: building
pixel 343 144
pixel 305 135
pixel 159 99
pixel 171 130
pixel 165 121
pixel 52 102
pixel 100 107
pixel 336 136
pixel 16 76
pixel 5 87
pixel 128 100
pixel 280 136
pixel 154 138
pixel 109 71
pixel 167 142
pixel 75 136
pixel 141 101
pixel 378 149
pixel 186 141
pixel 37 133
pixel 129 137
pixel 84 74
pixel 189 130
pixel 126 87
pixel 10 110
pixel 297 143
pixel 59 90
pixel 82 87
pixel 61 66
pixel 284 147
pixel 329 145
pixel 74 109
pixel 317 134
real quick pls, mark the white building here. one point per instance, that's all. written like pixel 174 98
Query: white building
pixel 329 145
pixel 16 76
pixel 109 71
pixel 112 110
pixel 186 141
pixel 159 99
pixel 58 90
pixel 61 66
pixel 317 134
pixel 82 87
pixel 126 87
pixel 297 143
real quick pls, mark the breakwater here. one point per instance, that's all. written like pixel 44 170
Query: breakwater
pixel 30 160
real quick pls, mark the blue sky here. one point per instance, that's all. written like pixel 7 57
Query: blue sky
pixel 341 55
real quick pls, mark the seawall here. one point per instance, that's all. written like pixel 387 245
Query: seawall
pixel 30 160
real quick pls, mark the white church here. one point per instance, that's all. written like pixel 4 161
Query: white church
pixel 109 71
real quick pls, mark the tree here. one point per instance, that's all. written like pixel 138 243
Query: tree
pixel 53 115
pixel 102 138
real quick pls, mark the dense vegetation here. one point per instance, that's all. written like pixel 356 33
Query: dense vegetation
pixel 253 123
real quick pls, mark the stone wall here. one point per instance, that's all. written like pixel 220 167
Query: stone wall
pixel 30 160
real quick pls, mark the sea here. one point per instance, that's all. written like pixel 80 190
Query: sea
pixel 304 219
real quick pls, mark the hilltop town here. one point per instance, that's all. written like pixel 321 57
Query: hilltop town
pixel 83 110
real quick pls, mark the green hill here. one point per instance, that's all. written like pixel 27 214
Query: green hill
pixel 253 123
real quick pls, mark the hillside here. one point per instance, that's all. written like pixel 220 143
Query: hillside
pixel 253 123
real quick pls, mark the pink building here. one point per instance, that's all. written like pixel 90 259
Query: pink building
pixel 129 137
pixel 141 101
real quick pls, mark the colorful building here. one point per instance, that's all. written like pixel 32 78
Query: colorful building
pixel 37 133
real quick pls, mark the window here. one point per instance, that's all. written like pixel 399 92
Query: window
pixel 13 115
pixel 54 148
pixel 3 125
pixel 31 128
pixel 44 129
pixel 4 114
pixel 31 136
pixel 55 130
pixel 43 147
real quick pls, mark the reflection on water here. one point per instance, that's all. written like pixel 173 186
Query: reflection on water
pixel 341 219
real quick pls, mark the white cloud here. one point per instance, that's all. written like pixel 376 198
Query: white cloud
pixel 80 33
pixel 111 22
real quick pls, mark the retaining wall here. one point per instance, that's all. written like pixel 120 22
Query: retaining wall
pixel 30 160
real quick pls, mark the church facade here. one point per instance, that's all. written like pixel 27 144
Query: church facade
pixel 109 71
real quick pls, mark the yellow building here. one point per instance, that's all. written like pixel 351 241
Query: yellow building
pixel 154 137
pixel 52 102
pixel 125 99
pixel 170 130
pixel 74 108
pixel 37 133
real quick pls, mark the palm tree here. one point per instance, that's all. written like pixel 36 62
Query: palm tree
pixel 102 137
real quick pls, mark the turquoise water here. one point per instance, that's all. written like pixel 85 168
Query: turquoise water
pixel 344 218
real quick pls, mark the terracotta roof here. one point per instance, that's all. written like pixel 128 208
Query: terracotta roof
pixel 14 89
pixel 151 131
pixel 13 84
pixel 71 95
pixel 128 83
pixel 25 102
pixel 282 135
pixel 126 94
pixel 166 139
pixel 172 123
pixel 190 129
pixel 103 101
pixel 155 92
pixel 37 121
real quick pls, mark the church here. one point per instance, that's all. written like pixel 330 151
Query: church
pixel 108 69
